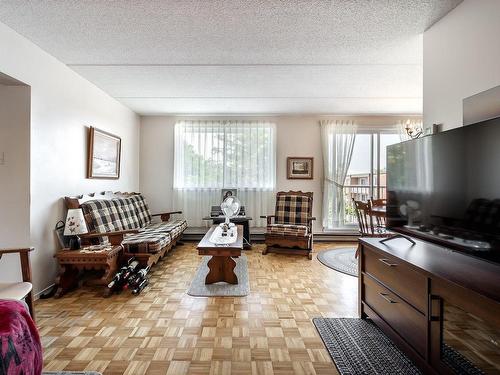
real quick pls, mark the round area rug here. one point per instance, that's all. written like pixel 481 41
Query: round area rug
pixel 340 259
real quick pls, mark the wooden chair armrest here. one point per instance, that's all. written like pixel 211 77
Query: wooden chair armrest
pixel 12 250
pixel 268 217
pixel 310 219
pixel 166 215
pixel 24 255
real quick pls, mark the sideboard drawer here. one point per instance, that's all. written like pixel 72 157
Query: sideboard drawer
pixel 408 322
pixel 397 276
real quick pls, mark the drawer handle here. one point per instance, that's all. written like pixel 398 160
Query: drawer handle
pixel 384 296
pixel 387 263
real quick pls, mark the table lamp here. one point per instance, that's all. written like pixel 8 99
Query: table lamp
pixel 75 225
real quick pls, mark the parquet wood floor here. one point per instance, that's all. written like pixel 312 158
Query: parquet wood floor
pixel 474 338
pixel 165 331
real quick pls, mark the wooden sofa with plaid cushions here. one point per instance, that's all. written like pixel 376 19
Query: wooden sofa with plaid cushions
pixel 124 218
pixel 291 231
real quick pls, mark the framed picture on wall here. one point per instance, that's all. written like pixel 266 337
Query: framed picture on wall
pixel 299 168
pixel 225 193
pixel 104 152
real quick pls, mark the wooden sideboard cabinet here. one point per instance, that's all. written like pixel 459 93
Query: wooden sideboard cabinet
pixel 441 307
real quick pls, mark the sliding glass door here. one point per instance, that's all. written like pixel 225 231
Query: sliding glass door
pixel 367 175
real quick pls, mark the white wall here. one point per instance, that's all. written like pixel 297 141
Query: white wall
pixel 296 136
pixel 157 157
pixel 14 175
pixel 461 58
pixel 63 104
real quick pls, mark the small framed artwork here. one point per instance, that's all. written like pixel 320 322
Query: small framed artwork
pixel 299 168
pixel 104 154
pixel 225 193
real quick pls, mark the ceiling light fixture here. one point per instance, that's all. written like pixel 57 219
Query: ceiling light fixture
pixel 413 128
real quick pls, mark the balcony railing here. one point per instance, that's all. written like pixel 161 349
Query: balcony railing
pixel 359 193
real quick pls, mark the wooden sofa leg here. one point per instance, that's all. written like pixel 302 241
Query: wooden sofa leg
pixel 310 255
pixel 264 252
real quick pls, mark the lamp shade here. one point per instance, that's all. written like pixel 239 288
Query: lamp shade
pixel 75 223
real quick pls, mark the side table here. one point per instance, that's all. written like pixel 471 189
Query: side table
pixel 74 261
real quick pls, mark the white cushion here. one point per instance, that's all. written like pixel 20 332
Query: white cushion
pixel 14 290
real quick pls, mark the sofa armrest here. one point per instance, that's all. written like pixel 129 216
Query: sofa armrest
pixel 115 238
pixel 166 215
pixel 107 234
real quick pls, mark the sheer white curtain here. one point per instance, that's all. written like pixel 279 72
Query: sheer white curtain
pixel 338 139
pixel 211 155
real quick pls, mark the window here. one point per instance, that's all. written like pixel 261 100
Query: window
pixel 218 154
pixel 211 155
pixel 366 176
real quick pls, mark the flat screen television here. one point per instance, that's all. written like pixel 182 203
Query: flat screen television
pixel 445 188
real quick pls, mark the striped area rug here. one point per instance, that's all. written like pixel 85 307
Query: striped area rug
pixel 357 346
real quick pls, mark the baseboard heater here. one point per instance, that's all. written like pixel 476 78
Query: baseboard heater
pixel 197 235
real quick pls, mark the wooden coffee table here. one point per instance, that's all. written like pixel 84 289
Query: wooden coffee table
pixel 221 264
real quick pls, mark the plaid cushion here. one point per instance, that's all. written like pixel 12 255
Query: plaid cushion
pixel 184 225
pixel 287 230
pixel 293 209
pixel 169 226
pixel 145 241
pixel 141 209
pixel 104 215
pixel 127 212
pixel 173 227
pixel 163 227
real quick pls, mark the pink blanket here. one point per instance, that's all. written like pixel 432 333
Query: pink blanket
pixel 20 347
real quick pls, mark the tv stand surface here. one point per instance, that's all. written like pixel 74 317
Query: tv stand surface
pixel 412 277
pixel 478 275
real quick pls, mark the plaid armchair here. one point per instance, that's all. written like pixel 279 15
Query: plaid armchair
pixel 291 230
